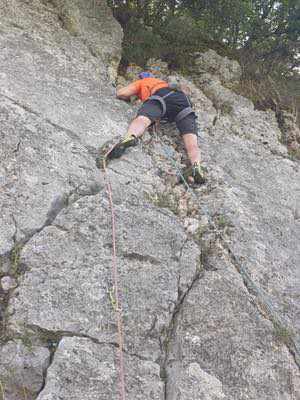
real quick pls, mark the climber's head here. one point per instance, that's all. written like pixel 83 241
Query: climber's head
pixel 143 75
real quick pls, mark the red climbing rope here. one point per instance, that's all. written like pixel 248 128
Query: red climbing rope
pixel 118 305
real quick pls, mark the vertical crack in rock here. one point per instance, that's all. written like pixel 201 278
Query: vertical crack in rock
pixel 52 349
pixel 14 267
pixel 16 150
pixel 52 339
pixel 4 298
pixel 264 305
pixel 10 261
pixel 170 345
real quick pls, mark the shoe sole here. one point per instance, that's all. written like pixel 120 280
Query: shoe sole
pixel 119 150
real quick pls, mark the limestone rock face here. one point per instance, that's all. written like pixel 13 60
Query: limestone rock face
pixel 22 369
pixel 93 23
pixel 67 379
pixel 290 130
pixel 209 62
pixel 89 22
pixel 49 79
pixel 208 276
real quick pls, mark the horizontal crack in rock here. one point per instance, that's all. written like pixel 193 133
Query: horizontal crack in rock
pixel 55 336
pixel 141 257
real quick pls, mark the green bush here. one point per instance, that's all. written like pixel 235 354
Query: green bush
pixel 180 37
pixel 140 44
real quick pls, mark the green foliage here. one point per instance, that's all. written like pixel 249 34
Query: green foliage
pixel 15 258
pixel 221 221
pixel 263 35
pixel 266 32
pixel 168 199
pixel 294 154
pixel 181 35
pixel 221 19
pixel 2 390
pixel 270 91
pixel 140 44
pixel 284 334
pixel 200 232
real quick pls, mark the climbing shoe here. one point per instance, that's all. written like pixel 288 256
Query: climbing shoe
pixel 195 174
pixel 119 149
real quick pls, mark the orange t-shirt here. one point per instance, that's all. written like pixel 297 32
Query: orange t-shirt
pixel 148 86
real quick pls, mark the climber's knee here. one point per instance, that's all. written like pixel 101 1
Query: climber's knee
pixel 142 119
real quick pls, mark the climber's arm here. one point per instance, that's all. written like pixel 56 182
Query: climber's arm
pixel 126 92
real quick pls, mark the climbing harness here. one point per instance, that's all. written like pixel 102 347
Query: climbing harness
pixel 117 300
pixel 182 114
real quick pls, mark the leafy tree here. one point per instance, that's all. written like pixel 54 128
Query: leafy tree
pixel 265 32
pixel 262 34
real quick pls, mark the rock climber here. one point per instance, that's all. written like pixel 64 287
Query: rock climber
pixel 160 100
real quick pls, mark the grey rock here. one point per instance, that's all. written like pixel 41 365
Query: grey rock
pixel 197 383
pixel 39 172
pixel 236 116
pixel 89 22
pixel 83 369
pixel 8 283
pixel 226 70
pixel 77 295
pixel 22 369
pixel 191 225
pixel 7 231
pixel 94 25
pixel 216 319
pixel 49 103
pixel 5 263
pixel 65 81
pixel 253 191
pixel 230 340
pixel 290 129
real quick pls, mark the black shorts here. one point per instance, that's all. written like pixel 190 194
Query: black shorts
pixel 175 103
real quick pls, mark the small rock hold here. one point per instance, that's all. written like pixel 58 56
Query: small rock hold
pixel 191 225
pixel 297 214
pixel 8 283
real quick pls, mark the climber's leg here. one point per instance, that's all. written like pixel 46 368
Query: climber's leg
pixel 188 129
pixel 195 173
pixel 136 129
pixel 138 126
pixel 147 114
pixel 190 141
